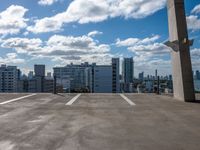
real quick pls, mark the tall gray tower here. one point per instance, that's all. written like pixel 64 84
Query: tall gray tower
pixel 181 61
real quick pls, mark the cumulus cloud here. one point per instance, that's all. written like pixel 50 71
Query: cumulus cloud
pixel 163 66
pixel 136 41
pixel 85 11
pixel 11 58
pixel 94 33
pixel 148 53
pixel 12 20
pixel 195 56
pixel 193 22
pixel 23 45
pixel 196 9
pixel 46 2
pixel 61 48
pixel 155 49
pixel 147 47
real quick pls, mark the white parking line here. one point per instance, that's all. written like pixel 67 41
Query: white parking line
pixel 16 99
pixel 127 99
pixel 73 100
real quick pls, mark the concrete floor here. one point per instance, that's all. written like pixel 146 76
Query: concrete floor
pixel 98 122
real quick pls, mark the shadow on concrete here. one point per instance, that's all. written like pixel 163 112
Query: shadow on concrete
pixel 60 95
pixel 197 101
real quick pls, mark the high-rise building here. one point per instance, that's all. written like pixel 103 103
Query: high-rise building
pixel 30 75
pixel 141 76
pixel 127 74
pixel 115 75
pixel 89 77
pixel 197 75
pixel 9 76
pixel 102 79
pixel 39 70
pixel 156 74
pixel 48 85
pixel 74 77
pixel 39 77
pixel 49 75
pixel 128 70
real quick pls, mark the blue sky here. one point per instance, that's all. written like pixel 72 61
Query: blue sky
pixel 57 32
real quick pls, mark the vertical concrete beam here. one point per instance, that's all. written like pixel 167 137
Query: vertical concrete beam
pixel 181 61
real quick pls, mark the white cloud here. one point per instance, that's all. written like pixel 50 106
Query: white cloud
pixel 46 2
pixel 12 20
pixel 195 53
pixel 196 9
pixel 69 45
pixel 148 53
pixel 193 22
pixel 163 66
pixel 153 50
pixel 63 49
pixel 136 41
pixel 22 45
pixel 86 11
pixel 195 56
pixel 11 58
pixel 145 48
pixel 94 33
pixel 46 25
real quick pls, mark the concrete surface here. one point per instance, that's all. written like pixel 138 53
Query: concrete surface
pixel 99 122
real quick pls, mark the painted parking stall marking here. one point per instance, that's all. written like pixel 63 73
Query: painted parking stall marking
pixel 127 99
pixel 17 99
pixel 73 100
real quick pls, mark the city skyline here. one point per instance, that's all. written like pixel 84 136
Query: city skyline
pixel 56 33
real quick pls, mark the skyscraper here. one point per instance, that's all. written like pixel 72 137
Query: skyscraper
pixel 156 73
pixel 30 75
pixel 127 73
pixel 141 76
pixel 39 77
pixel 115 75
pixel 128 70
pixel 39 70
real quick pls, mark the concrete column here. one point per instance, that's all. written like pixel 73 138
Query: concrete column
pixel 181 61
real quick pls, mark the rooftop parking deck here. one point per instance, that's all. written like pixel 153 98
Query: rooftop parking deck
pixel 98 122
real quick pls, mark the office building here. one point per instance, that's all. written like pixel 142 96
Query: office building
pixel 115 75
pixel 197 75
pixel 127 74
pixel 30 75
pixel 156 74
pixel 102 79
pixel 48 75
pixel 39 77
pixel 48 85
pixel 89 77
pixel 74 78
pixel 9 76
pixel 141 76
pixel 37 83
pixel 39 70
pixel 128 70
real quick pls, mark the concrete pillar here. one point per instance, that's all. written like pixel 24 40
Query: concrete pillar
pixel 181 61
